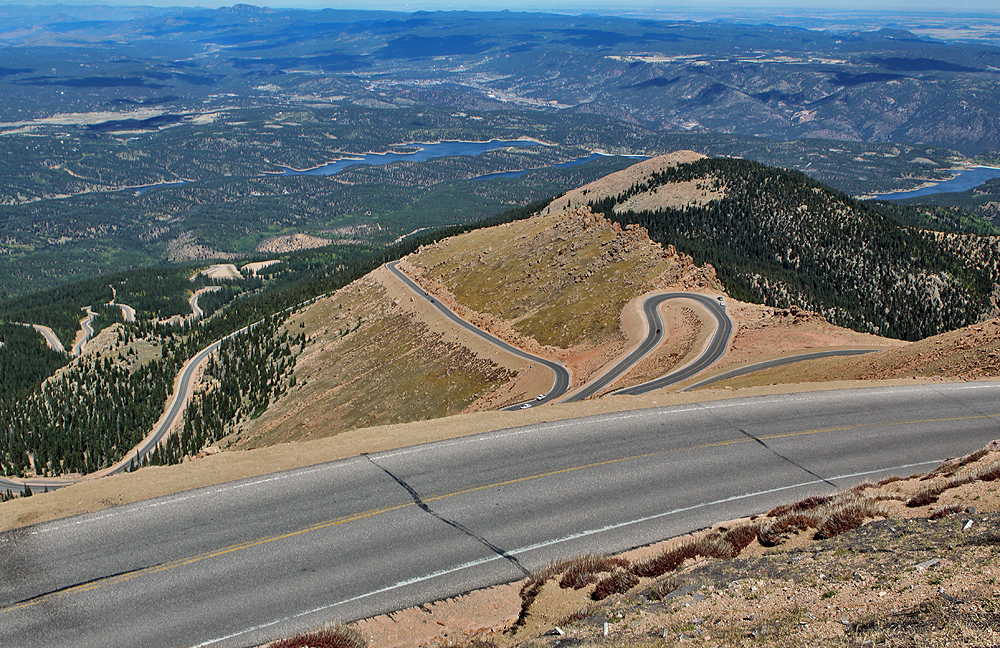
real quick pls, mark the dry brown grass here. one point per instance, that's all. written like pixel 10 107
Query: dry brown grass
pixel 617 582
pixel 583 571
pixel 333 637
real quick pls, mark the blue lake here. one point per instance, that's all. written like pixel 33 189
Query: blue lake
pixel 963 181
pixel 423 152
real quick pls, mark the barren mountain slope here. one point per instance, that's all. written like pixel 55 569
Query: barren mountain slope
pixel 676 194
pixel 376 355
pixel 557 284
pixel 968 353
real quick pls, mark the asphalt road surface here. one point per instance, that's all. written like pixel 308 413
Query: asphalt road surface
pixel 560 378
pixel 193 302
pixel 654 334
pixel 245 562
pixel 50 337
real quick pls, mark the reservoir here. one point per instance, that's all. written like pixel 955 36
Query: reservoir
pixel 963 181
pixel 423 152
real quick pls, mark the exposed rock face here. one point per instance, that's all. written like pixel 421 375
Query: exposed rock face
pixel 184 248
pixel 291 243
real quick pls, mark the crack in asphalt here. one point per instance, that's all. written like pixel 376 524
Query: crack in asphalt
pixel 775 452
pixel 789 460
pixel 962 403
pixel 59 591
pixel 456 525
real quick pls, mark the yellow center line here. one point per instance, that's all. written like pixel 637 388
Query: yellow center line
pixel 87 587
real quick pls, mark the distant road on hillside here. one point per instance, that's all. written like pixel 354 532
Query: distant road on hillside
pixel 196 312
pixel 245 562
pixel 179 399
pixel 51 339
pixel 560 382
pixel 779 362
pixel 654 335
pixel 87 329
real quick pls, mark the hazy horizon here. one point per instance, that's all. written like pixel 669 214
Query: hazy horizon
pixel 745 8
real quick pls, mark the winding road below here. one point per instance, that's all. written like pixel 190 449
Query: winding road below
pixel 183 386
pixel 742 370
pixel 86 332
pixel 51 339
pixel 654 327
pixel 245 562
pixel 196 312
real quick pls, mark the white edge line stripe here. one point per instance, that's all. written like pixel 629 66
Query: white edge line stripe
pixel 548 543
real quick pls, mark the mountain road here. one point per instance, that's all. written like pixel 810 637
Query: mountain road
pixel 249 561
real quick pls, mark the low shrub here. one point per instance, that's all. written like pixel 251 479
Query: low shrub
pixel 334 637
pixel 807 504
pixel 617 582
pixel 583 570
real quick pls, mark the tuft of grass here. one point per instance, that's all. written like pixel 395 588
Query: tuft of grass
pixel 332 637
pixel 474 643
pixel 774 532
pixel 667 561
pixel 930 494
pixel 945 511
pixel 579 615
pixel 806 504
pixel 973 457
pixel 660 588
pixel 924 497
pixel 839 522
pixel 989 473
pixel 583 570
pixel 889 480
pixel 714 545
pixel 617 582
pixel 740 537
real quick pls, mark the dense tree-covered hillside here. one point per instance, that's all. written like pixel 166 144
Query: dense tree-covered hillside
pixel 785 239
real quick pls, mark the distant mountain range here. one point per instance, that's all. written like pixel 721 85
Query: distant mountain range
pixel 761 80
